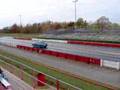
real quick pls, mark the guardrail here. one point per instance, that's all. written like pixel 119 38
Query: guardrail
pixel 29 79
pixel 79 58
pixel 51 82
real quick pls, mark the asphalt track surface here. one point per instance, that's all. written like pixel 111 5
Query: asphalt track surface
pixel 104 75
pixel 104 53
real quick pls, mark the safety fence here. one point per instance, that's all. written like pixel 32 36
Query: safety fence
pixel 33 81
pixel 36 79
pixel 79 58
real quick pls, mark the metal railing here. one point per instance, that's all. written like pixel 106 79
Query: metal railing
pixel 27 78
pixel 51 82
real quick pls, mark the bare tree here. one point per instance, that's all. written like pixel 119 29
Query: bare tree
pixel 103 23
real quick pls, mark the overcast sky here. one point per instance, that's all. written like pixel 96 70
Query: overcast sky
pixel 56 10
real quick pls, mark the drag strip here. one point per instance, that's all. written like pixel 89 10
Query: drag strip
pixel 103 75
pixel 105 53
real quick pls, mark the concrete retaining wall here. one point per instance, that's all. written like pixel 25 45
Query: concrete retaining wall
pixel 49 40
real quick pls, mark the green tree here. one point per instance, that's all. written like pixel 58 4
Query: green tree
pixel 6 30
pixel 81 23
pixel 115 26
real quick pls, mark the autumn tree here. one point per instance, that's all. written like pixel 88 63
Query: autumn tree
pixel 15 29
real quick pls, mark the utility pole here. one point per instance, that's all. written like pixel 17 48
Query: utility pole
pixel 75 5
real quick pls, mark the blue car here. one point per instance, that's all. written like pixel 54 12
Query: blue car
pixel 41 44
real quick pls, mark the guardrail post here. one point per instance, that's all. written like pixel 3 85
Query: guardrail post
pixel 21 72
pixel 57 85
pixel 101 62
pixel 34 80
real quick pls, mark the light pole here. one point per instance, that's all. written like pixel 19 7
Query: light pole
pixel 75 2
pixel 20 16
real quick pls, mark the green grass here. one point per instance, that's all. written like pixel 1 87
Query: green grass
pixel 59 75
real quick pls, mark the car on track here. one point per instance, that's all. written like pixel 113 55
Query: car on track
pixel 40 44
pixel 4 84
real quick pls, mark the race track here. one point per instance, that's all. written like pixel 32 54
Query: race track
pixel 105 53
pixel 97 73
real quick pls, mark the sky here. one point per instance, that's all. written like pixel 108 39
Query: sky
pixel 35 11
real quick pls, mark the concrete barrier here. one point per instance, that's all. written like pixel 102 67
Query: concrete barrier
pixel 88 60
pixel 79 58
pixel 50 40
pixel 110 64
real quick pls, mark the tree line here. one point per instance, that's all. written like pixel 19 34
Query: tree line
pixel 102 23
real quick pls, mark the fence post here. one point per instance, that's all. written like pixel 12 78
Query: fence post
pixel 57 85
pixel 21 72
pixel 33 80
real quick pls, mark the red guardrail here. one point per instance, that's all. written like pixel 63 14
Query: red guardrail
pixel 84 59
pixel 23 38
pixel 95 43
pixel 29 48
pixel 73 57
